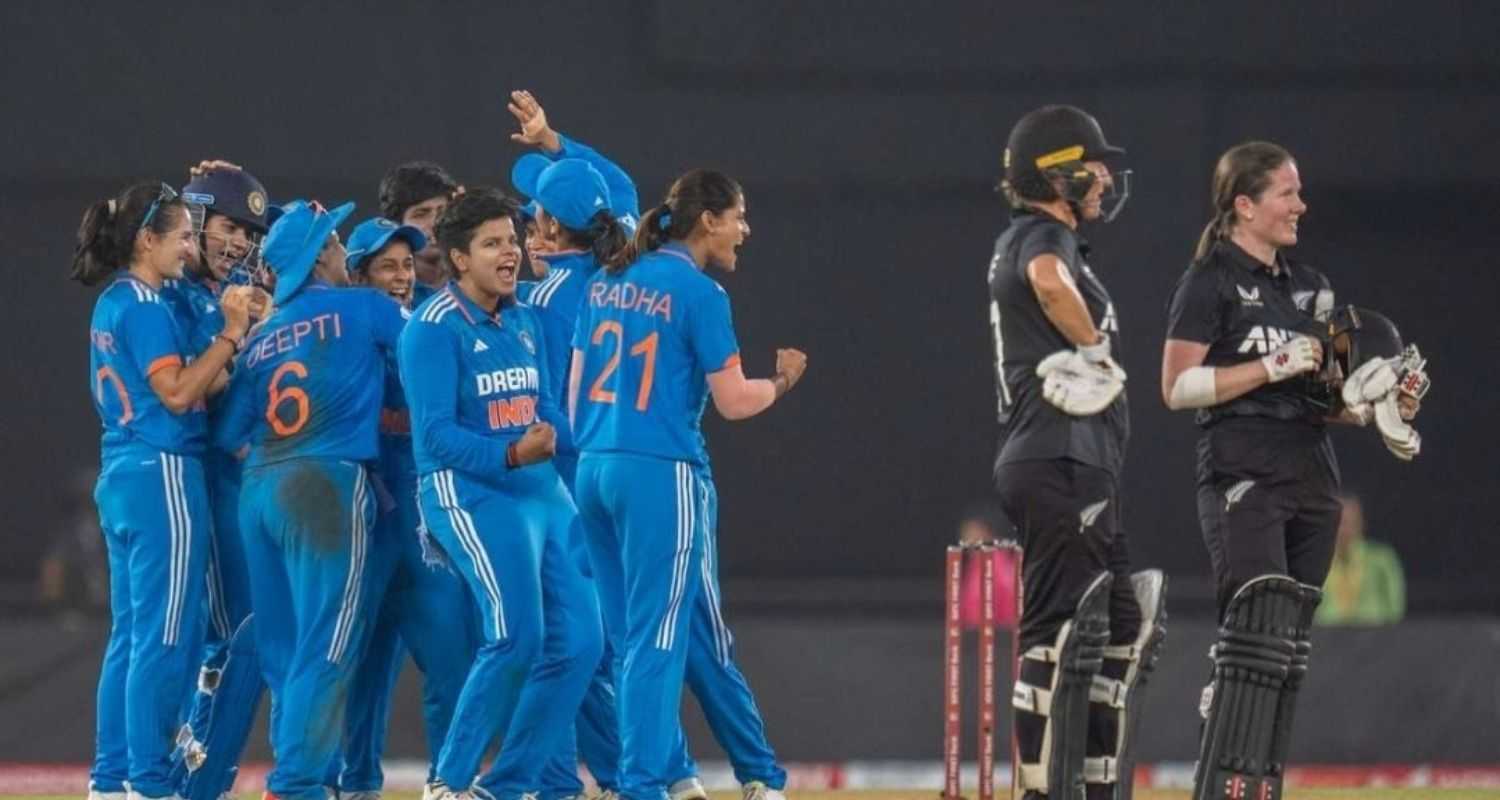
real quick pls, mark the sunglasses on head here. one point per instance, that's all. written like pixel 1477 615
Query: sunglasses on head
pixel 166 195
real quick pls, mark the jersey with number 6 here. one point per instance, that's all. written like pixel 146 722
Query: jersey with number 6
pixel 310 380
pixel 650 336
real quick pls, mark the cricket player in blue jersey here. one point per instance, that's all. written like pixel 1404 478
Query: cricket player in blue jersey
pixel 424 602
pixel 568 236
pixel 306 396
pixel 416 194
pixel 228 206
pixel 150 388
pixel 654 340
pixel 483 420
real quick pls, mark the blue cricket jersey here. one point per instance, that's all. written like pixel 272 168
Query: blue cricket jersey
pixel 196 305
pixel 397 465
pixel 474 382
pixel 310 381
pixel 650 336
pixel 133 334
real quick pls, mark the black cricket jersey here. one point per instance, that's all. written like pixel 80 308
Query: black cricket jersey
pixel 1032 428
pixel 1243 310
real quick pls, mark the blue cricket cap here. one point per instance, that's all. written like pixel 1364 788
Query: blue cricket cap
pixel 296 238
pixel 569 189
pixel 372 235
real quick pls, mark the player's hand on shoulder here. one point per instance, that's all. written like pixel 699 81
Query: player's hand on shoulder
pixel 538 444
pixel 1300 354
pixel 1082 381
pixel 791 364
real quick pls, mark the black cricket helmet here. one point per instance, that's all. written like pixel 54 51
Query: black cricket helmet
pixel 1054 142
pixel 236 194
pixel 1356 336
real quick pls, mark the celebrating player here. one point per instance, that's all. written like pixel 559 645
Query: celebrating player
pixel 1245 335
pixel 306 397
pixel 416 194
pixel 654 338
pixel 149 386
pixel 424 603
pixel 229 213
pixel 474 367
pixel 1065 422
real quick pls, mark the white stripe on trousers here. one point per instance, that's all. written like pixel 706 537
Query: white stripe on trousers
pixel 218 613
pixel 468 538
pixel 667 633
pixel 180 525
pixel 349 607
pixel 722 638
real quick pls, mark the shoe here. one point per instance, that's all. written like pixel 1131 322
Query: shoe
pixel 755 790
pixel 371 795
pixel 268 795
pixel 97 795
pixel 689 788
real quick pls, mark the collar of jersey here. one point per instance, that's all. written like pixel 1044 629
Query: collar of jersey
pixel 471 310
pixel 560 256
pixel 1238 255
pixel 679 250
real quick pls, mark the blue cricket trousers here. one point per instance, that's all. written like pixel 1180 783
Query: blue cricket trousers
pixel 306 524
pixel 644 521
pixel 539 621
pixel 427 611
pixel 154 513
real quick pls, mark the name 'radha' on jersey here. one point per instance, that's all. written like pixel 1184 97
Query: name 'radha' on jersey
pixel 649 338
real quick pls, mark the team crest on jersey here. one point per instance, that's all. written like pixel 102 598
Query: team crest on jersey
pixel 256 202
pixel 1249 297
pixel 526 341
pixel 1265 338
pixel 1302 300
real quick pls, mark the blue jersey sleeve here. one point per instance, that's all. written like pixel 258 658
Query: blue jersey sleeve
pixel 623 198
pixel 710 331
pixel 150 337
pixel 549 405
pixel 387 321
pixel 429 377
pixel 234 419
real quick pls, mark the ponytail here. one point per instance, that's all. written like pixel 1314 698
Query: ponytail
pixel 1244 169
pixel 1217 228
pixel 106 236
pixel 695 192
pixel 605 236
pixel 93 256
pixel 650 234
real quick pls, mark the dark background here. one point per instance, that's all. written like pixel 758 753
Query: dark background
pixel 868 137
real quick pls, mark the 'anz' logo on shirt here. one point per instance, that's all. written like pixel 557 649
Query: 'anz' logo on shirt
pixel 1265 338
pixel 1249 297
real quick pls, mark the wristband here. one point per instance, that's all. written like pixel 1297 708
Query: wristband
pixel 233 345
pixel 511 459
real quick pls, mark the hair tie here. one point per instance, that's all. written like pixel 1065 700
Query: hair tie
pixel 111 206
pixel 665 220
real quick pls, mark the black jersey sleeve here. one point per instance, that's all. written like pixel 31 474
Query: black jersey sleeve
pixel 1046 240
pixel 1195 312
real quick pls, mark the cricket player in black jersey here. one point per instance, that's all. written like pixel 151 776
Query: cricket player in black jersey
pixel 1090 631
pixel 1247 334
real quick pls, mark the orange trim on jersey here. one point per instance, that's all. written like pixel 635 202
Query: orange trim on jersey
pixel 732 361
pixel 162 363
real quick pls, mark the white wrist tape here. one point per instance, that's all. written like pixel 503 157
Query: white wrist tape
pixel 1194 389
